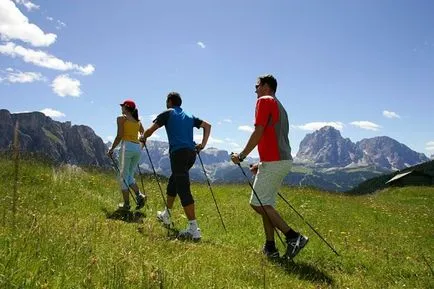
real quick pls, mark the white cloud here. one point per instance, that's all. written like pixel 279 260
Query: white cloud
pixel 201 44
pixel 390 114
pixel 211 140
pixel 15 25
pixel 228 120
pixel 311 126
pixel 43 59
pixel 366 125
pixel 109 138
pixel 234 144
pixel 430 146
pixel 29 5
pixel 60 24
pixel 52 113
pixel 23 77
pixel 246 128
pixel 63 86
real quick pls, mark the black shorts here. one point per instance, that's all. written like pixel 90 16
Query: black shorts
pixel 181 162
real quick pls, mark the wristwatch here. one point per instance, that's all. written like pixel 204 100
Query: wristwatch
pixel 241 157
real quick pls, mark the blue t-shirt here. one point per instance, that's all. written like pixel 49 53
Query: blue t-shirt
pixel 179 127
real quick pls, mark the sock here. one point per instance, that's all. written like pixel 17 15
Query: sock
pixel 291 234
pixel 270 246
pixel 192 224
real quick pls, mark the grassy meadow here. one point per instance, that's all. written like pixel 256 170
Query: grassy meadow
pixel 59 231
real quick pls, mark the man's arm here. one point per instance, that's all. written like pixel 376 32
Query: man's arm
pixel 253 140
pixel 206 132
pixel 149 132
pixel 251 144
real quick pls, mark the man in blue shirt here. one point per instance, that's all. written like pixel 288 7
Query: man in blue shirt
pixel 182 149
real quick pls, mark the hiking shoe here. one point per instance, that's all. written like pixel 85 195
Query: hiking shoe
pixel 294 246
pixel 141 201
pixel 189 234
pixel 271 254
pixel 163 217
pixel 124 207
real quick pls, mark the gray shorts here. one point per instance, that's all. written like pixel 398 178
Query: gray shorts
pixel 268 181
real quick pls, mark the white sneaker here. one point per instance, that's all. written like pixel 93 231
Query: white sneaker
pixel 163 217
pixel 124 207
pixel 190 234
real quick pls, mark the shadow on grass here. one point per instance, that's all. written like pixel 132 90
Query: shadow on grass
pixel 126 216
pixel 173 234
pixel 305 271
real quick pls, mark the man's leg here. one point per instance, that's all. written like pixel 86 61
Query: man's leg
pixel 182 162
pixel 271 219
pixel 190 212
pixel 185 160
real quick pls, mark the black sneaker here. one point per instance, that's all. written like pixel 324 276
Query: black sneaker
pixel 294 246
pixel 141 201
pixel 271 254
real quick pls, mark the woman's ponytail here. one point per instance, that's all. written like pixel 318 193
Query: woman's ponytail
pixel 135 114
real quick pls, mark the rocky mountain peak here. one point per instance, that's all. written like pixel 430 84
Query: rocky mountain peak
pixel 386 152
pixel 60 142
pixel 326 148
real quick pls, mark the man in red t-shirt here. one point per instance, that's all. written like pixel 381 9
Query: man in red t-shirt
pixel 271 137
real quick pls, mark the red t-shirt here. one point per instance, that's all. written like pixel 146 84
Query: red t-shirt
pixel 274 143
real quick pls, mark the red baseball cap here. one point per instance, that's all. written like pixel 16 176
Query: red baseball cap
pixel 129 103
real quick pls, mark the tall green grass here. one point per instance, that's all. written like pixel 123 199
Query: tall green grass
pixel 64 235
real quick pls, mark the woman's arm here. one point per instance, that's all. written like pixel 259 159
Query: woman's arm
pixel 120 132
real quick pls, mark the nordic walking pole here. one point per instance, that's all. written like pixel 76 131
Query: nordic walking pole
pixel 143 187
pixel 119 172
pixel 158 182
pixel 141 178
pixel 313 229
pixel 212 193
pixel 262 206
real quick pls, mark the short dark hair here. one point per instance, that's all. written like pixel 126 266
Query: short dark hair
pixel 175 98
pixel 270 80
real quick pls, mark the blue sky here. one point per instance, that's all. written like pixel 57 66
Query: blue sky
pixel 365 67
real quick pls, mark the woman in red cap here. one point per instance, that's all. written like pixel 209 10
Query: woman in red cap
pixel 129 127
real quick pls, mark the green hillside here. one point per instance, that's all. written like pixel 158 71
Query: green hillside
pixel 379 183
pixel 59 232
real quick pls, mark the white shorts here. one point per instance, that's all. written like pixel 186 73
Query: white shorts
pixel 268 181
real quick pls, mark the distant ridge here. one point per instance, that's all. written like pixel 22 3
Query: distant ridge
pixel 326 148
pixel 57 141
pixel 325 159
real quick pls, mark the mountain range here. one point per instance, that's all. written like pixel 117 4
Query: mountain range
pixel 56 141
pixel 325 159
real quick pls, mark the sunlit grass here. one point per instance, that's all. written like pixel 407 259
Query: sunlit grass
pixel 62 237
